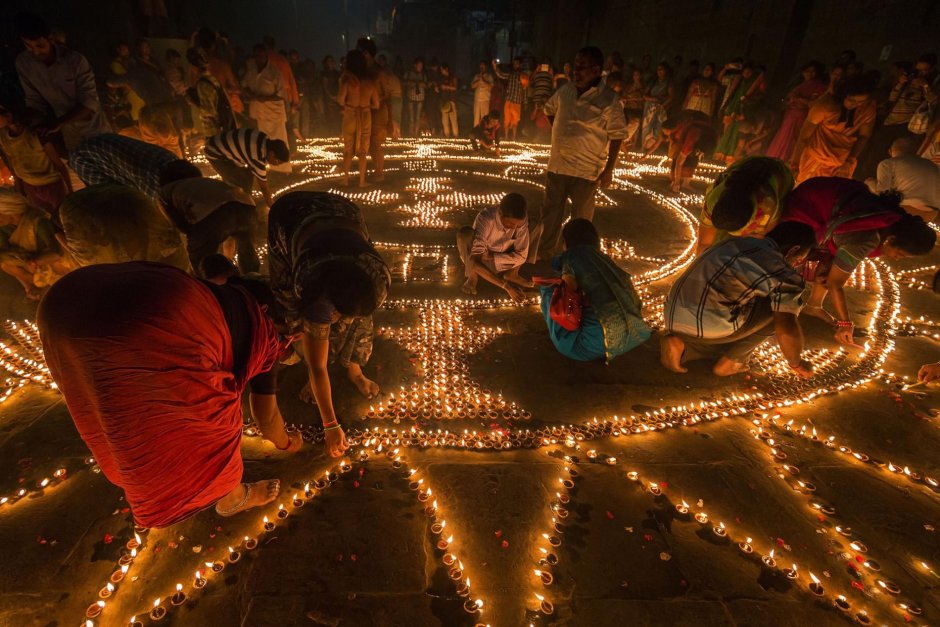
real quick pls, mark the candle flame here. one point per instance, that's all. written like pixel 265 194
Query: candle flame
pixel 110 587
pixel 124 568
pixel 137 538
pixel 814 578
pixel 208 564
pixel 539 597
pixel 156 602
pixel 265 520
pixel 450 539
pixel 771 554
pixel 133 553
pixel 198 575
pixel 231 550
pixel 179 587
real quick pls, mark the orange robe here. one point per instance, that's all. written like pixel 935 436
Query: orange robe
pixel 827 150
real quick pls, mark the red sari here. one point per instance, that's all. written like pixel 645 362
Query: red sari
pixel 143 357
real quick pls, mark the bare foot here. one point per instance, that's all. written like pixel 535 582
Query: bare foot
pixel 469 287
pixel 259 493
pixel 306 395
pixel 725 367
pixel 366 386
pixel 671 348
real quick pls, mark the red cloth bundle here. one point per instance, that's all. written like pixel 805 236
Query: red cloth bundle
pixel 143 356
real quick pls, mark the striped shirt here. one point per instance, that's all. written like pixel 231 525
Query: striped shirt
pixel 245 147
pixel 715 295
pixel 508 246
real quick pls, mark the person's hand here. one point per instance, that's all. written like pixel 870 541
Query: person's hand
pixel 514 292
pixel 606 177
pixel 803 370
pixel 819 312
pixel 929 372
pixel 335 441
pixel 487 255
pixel 845 336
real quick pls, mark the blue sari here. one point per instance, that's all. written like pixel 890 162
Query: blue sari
pixel 611 323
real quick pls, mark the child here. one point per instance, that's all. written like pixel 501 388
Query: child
pixel 485 135
pixel 496 246
pixel 38 172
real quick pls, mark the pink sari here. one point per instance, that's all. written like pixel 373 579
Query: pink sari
pixel 793 117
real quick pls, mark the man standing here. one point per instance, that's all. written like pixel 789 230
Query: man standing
pixel 496 246
pixel 482 91
pixel 735 295
pixel 382 80
pixel 291 92
pixel 588 127
pixel 242 156
pixel 267 94
pixel 515 94
pixel 58 85
pixel 448 87
pixel 416 87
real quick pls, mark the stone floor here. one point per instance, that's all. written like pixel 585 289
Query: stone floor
pixel 361 553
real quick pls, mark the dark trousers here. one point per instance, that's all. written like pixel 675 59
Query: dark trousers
pixel 740 344
pixel 559 188
pixel 232 219
pixel 234 174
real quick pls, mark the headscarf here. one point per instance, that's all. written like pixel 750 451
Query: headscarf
pixel 12 203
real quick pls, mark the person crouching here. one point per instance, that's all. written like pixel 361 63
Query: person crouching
pixel 735 295
pixel 496 246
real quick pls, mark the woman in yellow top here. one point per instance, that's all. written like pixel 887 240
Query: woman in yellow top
pixel 37 170
pixel 744 201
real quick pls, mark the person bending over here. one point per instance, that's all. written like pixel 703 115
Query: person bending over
pixel 485 135
pixel 611 318
pixel 330 279
pixel 745 200
pixel 241 157
pixel 851 224
pixel 733 296
pixel 496 246
pixel 154 383
pixel 209 212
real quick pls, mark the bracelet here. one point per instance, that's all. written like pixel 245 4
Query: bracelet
pixel 335 425
pixel 848 324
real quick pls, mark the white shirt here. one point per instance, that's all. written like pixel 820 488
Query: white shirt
pixel 508 246
pixel 583 129
pixel 916 178
pixel 59 87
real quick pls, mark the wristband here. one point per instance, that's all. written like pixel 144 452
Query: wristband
pixel 331 427
pixel 848 324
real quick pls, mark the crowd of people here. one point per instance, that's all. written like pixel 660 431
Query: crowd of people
pixel 95 213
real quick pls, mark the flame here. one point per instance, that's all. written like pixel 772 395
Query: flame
pixel 450 539
pixel 198 575
pixel 156 602
pixel 266 521
pixel 136 538
pixel 179 587
pixel 771 556
pixel 124 568
pixel 231 550
pixel 539 597
pixel 208 564
pixel 110 587
pixel 814 578
pixel 684 504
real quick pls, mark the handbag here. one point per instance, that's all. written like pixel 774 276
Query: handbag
pixel 920 121
pixel 566 304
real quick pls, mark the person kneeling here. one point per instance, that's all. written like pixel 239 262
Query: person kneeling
pixel 485 135
pixel 736 294
pixel 611 322
pixel 496 246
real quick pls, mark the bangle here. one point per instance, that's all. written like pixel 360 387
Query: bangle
pixel 331 427
pixel 331 423
pixel 845 324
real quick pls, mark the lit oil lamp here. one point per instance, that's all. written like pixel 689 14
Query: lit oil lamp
pixel 633 476
pixel 815 586
pixel 179 597
pixel 449 559
pixel 268 525
pixel 133 543
pixel 216 567
pixel 158 611
pixel 281 512
pixel 119 574
pixel 701 518
pixel 545 576
pixel 297 501
pixel 133 622
pixel 94 609
pixel 862 618
pixel 463 588
pixel 682 509
pixel 719 530
pixel 233 555
pixel 791 573
pixel 107 591
pixel 872 565
pixel 128 558
pixel 545 605
pixel 889 587
pixel 910 609
pixel 308 491
pixel 199 581
pixel 473 607
pixel 250 543
pixel 442 544
pixel 655 490
pixel 859 546
pixel 769 560
pixel 746 546
pixel 438 527
pixel 842 603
